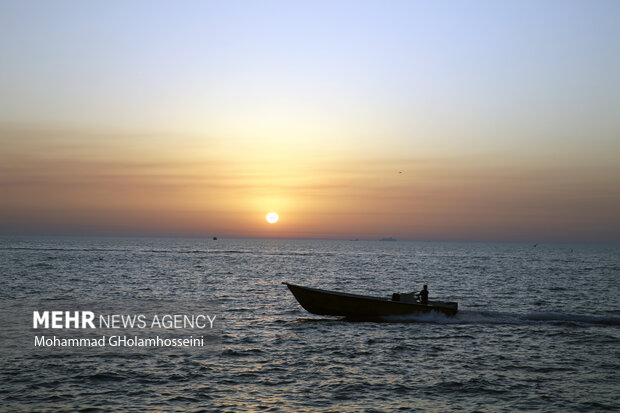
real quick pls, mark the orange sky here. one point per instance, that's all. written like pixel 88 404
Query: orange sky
pixel 72 182
pixel 121 119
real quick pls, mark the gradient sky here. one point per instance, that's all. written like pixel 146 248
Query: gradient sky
pixel 198 118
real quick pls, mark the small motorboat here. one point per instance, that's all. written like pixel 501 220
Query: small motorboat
pixel 323 302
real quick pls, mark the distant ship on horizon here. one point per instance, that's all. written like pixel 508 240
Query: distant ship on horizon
pixel 388 239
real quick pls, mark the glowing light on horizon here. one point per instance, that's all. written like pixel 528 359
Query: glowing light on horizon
pixel 272 217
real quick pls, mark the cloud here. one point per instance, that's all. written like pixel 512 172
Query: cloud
pixel 104 185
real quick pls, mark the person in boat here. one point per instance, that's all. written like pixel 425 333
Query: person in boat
pixel 424 295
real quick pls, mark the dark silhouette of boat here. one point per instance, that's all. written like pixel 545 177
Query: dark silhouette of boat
pixel 323 302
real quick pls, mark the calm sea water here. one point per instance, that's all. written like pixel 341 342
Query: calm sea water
pixel 538 327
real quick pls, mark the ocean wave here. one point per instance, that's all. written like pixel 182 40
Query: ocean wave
pixel 491 317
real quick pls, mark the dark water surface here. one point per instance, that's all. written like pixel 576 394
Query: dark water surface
pixel 538 327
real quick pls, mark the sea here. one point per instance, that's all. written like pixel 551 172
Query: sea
pixel 538 327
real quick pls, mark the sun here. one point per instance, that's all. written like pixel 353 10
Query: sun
pixel 272 217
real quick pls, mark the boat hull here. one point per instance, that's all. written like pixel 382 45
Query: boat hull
pixel 323 302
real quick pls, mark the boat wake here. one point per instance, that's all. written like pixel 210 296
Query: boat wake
pixel 493 317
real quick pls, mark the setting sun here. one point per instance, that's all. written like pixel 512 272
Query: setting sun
pixel 272 217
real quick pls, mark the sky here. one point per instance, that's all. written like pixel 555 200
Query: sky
pixel 427 120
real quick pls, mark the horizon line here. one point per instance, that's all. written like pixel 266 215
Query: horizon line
pixel 310 238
